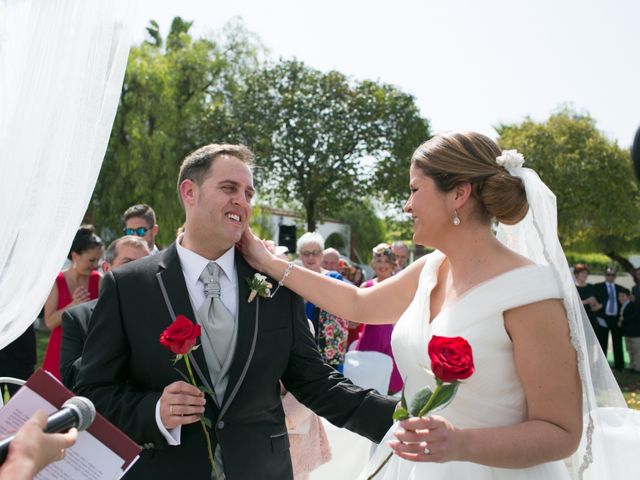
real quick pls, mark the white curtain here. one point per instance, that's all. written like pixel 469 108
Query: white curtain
pixel 62 64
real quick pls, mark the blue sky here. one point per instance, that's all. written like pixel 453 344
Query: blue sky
pixel 470 64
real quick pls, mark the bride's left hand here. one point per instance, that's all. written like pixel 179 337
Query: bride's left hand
pixel 433 433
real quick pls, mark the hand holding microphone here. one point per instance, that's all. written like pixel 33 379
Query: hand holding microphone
pixel 37 443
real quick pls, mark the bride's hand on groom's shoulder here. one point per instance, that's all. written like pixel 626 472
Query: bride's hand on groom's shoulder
pixel 254 250
pixel 427 439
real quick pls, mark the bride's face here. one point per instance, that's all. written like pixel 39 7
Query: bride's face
pixel 428 208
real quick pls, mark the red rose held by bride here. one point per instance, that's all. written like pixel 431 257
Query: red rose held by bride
pixel 180 336
pixel 451 358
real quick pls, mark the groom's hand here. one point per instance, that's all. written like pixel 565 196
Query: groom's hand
pixel 180 404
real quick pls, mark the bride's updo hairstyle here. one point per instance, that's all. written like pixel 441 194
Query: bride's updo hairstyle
pixel 454 158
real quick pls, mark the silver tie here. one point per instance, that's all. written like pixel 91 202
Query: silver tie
pixel 217 321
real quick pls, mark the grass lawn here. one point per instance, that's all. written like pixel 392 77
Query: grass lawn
pixel 629 382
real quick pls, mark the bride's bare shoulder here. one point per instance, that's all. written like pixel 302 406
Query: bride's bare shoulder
pixel 510 260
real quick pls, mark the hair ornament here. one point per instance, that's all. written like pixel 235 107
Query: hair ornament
pixel 510 159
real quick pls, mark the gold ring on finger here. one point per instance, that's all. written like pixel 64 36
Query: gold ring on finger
pixel 171 410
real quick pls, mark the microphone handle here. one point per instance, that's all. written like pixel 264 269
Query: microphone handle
pixel 4 448
pixel 60 421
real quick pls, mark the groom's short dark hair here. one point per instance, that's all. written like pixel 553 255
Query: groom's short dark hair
pixel 196 165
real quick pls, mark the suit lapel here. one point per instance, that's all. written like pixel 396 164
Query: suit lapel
pixel 176 295
pixel 247 331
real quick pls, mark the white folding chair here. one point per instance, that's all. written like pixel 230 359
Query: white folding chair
pixel 369 369
pixel 11 380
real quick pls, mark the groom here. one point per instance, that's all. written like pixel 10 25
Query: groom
pixel 246 348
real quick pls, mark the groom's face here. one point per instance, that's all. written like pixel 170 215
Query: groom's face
pixel 223 200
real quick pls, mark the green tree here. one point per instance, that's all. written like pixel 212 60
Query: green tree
pixel 174 99
pixel 591 177
pixel 367 229
pixel 314 133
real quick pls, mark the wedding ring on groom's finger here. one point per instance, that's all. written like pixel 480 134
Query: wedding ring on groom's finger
pixel 426 450
pixel 171 410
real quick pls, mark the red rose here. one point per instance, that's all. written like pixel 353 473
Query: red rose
pixel 180 336
pixel 451 358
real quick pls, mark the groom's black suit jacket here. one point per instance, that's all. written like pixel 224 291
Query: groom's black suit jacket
pixel 124 370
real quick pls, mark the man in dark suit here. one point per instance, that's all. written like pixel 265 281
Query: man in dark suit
pixel 630 326
pixel 607 295
pixel 75 320
pixel 130 376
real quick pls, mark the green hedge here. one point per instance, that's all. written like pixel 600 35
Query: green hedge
pixel 596 262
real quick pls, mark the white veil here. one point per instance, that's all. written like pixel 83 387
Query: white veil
pixel 611 437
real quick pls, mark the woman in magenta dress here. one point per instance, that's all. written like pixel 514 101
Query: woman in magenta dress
pixel 77 284
pixel 377 338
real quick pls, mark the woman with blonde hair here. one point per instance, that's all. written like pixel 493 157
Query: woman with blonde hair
pixel 512 297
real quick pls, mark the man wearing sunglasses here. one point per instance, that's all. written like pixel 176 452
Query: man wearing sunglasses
pixel 140 220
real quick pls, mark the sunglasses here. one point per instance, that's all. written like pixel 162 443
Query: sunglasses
pixel 140 232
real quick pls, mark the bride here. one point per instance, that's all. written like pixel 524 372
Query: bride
pixel 539 376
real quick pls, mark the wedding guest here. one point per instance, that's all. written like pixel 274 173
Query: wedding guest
pixel 331 259
pixel 358 276
pixel 308 442
pixel 31 450
pixel 587 294
pixel 630 327
pixel 377 338
pixel 77 284
pixel 18 359
pixel 75 320
pixel 401 252
pixel 635 290
pixel 607 295
pixel 140 220
pixel 331 331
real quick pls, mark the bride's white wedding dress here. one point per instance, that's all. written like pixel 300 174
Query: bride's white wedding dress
pixel 493 395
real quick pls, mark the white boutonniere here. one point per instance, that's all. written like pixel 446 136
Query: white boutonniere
pixel 259 286
pixel 510 159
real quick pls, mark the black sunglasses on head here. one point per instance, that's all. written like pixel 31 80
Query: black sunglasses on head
pixel 140 232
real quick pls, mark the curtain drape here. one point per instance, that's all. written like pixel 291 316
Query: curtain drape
pixel 62 66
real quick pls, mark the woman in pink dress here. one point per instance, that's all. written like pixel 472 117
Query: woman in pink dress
pixel 77 284
pixel 377 337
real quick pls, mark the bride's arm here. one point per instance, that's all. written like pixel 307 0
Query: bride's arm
pixel 382 303
pixel 546 364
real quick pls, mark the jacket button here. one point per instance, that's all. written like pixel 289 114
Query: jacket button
pixel 220 425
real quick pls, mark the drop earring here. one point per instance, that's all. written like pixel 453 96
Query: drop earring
pixel 456 218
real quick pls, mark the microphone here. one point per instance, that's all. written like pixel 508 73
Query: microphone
pixel 76 412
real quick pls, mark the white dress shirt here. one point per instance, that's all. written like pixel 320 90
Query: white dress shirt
pixel 192 266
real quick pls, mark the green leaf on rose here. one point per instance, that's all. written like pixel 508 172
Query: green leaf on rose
pixel 207 421
pixel 444 396
pixel 206 390
pixel 420 399
pixel 401 413
pixel 182 374
pixel 403 398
